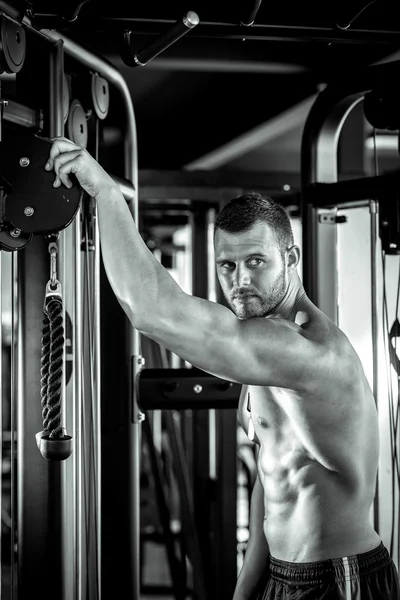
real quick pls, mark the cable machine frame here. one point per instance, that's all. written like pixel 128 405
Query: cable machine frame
pixel 33 264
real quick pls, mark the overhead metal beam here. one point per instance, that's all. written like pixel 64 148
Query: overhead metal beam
pixel 214 185
pixel 228 30
pixel 253 139
pixel 211 65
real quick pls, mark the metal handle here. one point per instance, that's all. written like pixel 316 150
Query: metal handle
pixel 143 56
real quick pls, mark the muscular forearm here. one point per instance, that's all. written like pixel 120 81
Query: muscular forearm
pixel 257 552
pixel 130 266
pixel 138 280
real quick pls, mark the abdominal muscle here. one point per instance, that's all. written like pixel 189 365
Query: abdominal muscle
pixel 310 515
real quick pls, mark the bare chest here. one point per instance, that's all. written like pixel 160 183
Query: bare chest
pixel 290 428
pixel 269 415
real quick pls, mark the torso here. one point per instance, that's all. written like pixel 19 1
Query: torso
pixel 317 458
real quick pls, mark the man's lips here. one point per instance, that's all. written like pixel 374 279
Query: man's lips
pixel 243 296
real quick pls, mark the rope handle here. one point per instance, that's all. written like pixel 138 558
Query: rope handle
pixel 53 442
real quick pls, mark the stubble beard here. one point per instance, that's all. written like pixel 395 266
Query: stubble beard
pixel 251 307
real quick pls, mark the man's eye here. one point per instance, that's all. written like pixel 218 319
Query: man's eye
pixel 255 262
pixel 227 265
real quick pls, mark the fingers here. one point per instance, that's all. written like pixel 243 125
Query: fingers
pixel 62 166
pixel 59 146
pixel 70 166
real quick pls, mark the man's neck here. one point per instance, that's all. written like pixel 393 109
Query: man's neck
pixel 286 308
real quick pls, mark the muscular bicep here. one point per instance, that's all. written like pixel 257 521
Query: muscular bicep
pixel 255 351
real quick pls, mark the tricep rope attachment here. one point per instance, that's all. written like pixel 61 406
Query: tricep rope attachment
pixel 53 442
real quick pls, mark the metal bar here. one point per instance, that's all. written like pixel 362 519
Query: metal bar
pixel 200 467
pixel 78 454
pixel 374 332
pixel 1 409
pixel 205 179
pixel 175 565
pixel 225 30
pixel 126 188
pixel 15 13
pixel 70 483
pixel 225 513
pixel 379 187
pixel 97 377
pixel 56 83
pixel 38 506
pixel 187 504
pixel 250 15
pixel 221 65
pixel 15 471
pixel 182 389
pixel 143 56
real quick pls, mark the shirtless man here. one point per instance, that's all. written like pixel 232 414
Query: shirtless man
pixel 305 400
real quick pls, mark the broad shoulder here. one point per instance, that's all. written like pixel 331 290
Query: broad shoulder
pixel 340 355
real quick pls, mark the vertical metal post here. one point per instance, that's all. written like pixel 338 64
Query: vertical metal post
pixel 373 209
pixel 77 413
pixel 225 544
pixel 214 451
pixel 38 485
pixel 97 380
pixel 56 83
pixel 70 277
pixel 136 416
pixel 319 163
pixel 200 418
pixel 39 503
pixel 14 424
pixel 225 517
pixel 1 404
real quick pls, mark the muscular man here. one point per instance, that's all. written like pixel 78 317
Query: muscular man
pixel 305 399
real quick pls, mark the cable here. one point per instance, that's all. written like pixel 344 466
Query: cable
pixel 389 384
pixel 345 27
pixel 393 415
pixel 92 463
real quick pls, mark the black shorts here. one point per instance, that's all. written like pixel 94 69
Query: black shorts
pixel 368 576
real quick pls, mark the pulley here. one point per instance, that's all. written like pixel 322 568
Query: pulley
pixel 12 46
pixel 77 125
pixel 30 204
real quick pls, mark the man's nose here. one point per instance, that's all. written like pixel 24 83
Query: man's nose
pixel 243 278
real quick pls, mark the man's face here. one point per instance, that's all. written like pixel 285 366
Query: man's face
pixel 251 270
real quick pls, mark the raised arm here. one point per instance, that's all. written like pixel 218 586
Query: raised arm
pixel 255 560
pixel 204 333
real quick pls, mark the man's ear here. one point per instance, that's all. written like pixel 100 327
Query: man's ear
pixel 293 257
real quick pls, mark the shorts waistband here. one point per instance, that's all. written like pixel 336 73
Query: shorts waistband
pixel 331 570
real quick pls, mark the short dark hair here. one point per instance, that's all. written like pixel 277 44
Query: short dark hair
pixel 241 213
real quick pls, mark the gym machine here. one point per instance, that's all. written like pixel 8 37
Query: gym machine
pixel 323 193
pixel 57 545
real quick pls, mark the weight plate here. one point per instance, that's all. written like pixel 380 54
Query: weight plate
pixel 77 126
pixel 100 96
pixel 13 46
